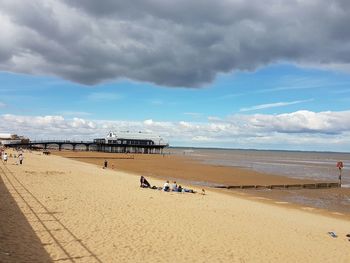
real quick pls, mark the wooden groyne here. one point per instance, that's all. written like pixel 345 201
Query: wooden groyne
pixel 283 186
pixel 100 157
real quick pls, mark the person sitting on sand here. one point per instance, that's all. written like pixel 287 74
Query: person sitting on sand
pixel 166 186
pixel 179 189
pixel 174 186
pixel 144 183
pixel 186 190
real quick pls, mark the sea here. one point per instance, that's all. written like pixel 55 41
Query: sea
pixel 318 166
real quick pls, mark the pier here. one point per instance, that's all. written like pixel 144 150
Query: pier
pixel 99 145
pixel 45 144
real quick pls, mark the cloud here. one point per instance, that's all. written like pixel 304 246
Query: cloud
pixel 299 122
pixel 273 105
pixel 171 43
pixel 302 130
pixel 148 122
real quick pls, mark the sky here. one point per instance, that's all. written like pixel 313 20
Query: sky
pixel 230 73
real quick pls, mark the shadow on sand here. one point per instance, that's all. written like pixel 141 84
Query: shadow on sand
pixel 18 241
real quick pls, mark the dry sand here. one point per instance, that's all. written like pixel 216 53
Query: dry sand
pixel 76 212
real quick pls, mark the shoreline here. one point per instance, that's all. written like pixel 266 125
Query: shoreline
pixel 189 171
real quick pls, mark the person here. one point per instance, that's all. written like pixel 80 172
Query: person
pixel 174 187
pixel 105 164
pixel 5 158
pixel 144 183
pixel 166 186
pixel 186 190
pixel 20 158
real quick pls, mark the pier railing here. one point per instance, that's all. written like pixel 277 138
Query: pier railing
pixel 87 143
pixel 59 141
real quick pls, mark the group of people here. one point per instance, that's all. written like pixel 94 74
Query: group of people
pixel 4 156
pixel 167 187
pixel 176 188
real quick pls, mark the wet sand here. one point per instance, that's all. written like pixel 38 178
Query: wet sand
pixel 180 168
pixel 83 213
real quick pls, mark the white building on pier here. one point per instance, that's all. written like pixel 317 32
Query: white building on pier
pixel 130 142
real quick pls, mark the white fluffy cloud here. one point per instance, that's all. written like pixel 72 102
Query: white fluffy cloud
pixel 304 130
pixel 297 122
pixel 171 43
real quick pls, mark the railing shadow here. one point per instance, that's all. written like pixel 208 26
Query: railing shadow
pixel 35 205
pixel 18 241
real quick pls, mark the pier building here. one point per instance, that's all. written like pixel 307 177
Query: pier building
pixel 8 138
pixel 129 142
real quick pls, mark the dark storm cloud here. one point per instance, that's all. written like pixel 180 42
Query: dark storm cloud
pixel 171 43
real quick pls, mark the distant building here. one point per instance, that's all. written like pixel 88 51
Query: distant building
pixel 7 138
pixel 128 142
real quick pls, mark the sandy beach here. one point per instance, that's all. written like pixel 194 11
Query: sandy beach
pixel 59 209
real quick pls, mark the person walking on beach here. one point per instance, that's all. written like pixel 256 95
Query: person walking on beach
pixel 20 158
pixel 4 158
pixel 105 164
